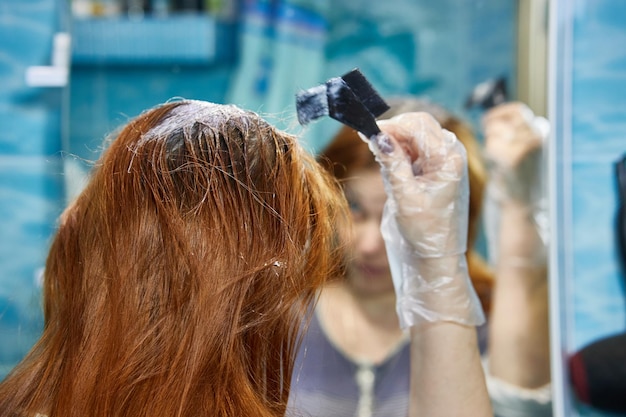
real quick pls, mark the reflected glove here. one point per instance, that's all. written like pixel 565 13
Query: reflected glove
pixel 514 142
pixel 424 222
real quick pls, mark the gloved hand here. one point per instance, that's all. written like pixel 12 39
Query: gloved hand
pixel 424 222
pixel 514 141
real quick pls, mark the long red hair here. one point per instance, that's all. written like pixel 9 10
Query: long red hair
pixel 347 152
pixel 178 279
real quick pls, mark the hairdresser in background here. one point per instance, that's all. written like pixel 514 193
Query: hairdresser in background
pixel 355 359
pixel 178 279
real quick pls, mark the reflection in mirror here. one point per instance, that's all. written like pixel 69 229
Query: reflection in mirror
pixel 259 55
pixel 587 108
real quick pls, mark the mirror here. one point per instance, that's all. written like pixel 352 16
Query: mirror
pixel 127 59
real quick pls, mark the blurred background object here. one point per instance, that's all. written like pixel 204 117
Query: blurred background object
pixel 129 55
pixel 586 110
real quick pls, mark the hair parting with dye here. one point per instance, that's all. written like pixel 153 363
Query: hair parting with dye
pixel 178 279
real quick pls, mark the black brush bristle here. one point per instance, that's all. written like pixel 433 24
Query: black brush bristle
pixel 488 94
pixel 349 99
pixel 365 92
pixel 345 107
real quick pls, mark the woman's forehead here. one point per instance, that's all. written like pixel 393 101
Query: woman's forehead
pixel 366 184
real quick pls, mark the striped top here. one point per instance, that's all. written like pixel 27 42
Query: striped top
pixel 326 383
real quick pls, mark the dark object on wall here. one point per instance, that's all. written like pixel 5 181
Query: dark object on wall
pixel 598 371
pixel 598 374
pixel 620 221
pixel 187 5
pixel 488 94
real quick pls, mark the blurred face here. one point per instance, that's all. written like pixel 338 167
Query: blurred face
pixel 368 274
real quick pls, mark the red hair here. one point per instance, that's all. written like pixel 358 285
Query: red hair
pixel 178 280
pixel 347 153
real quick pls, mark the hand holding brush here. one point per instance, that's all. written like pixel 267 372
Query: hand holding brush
pixel 425 217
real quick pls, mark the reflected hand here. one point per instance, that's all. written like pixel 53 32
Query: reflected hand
pixel 510 134
pixel 514 139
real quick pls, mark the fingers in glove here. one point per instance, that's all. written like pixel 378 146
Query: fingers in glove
pixel 418 140
pixel 511 134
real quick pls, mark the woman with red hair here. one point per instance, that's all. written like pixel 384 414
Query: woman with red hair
pixel 178 279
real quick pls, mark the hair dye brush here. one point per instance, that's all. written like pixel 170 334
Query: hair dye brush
pixel 349 99
pixel 488 94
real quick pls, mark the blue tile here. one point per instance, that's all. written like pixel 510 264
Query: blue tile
pixel 30 202
pixel 599 104
pixel 599 302
pixel 32 128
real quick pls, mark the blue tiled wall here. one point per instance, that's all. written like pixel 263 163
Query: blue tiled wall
pixel 103 98
pixel 593 285
pixel 30 167
pixel 438 49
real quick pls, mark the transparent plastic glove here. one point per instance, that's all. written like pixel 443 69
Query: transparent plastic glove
pixel 514 143
pixel 424 222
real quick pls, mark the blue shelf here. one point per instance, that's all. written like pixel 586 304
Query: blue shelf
pixel 177 39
